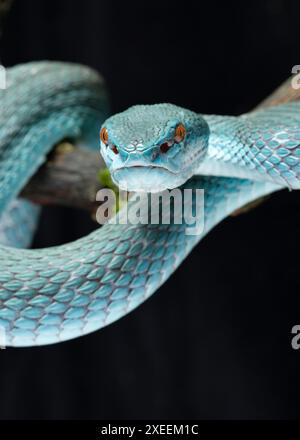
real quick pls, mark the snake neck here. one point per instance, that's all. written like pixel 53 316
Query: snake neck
pixel 226 156
pixel 262 145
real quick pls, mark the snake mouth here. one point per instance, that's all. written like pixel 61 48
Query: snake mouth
pixel 145 167
pixel 148 178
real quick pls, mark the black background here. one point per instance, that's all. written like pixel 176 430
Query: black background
pixel 215 341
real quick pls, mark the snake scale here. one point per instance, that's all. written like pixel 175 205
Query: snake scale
pixel 62 292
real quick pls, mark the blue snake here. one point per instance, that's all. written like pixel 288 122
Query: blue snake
pixel 62 292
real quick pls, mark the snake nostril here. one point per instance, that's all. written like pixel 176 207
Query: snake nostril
pixel 165 147
pixel 115 149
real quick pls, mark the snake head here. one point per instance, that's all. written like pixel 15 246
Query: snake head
pixel 153 147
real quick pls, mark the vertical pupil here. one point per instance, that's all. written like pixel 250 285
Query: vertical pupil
pixel 180 133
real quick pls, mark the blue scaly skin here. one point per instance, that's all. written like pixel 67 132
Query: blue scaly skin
pixel 54 294
pixel 262 145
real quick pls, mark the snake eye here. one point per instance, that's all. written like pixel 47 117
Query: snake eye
pixel 180 133
pixel 114 149
pixel 104 135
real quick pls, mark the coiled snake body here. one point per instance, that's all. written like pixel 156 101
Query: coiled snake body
pixel 54 294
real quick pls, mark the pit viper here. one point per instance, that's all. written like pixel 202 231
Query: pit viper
pixel 62 292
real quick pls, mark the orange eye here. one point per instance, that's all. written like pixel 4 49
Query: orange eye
pixel 104 135
pixel 180 133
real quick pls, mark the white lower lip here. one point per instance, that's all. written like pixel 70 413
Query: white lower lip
pixel 146 167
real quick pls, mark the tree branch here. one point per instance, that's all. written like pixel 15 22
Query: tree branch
pixel 70 177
